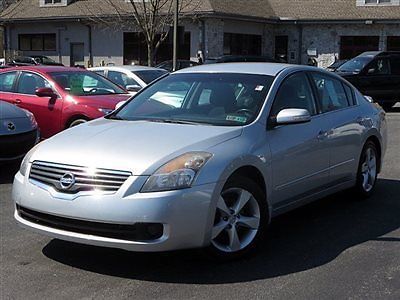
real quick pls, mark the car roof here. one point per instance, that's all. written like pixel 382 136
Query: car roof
pixel 271 69
pixel 45 69
pixel 126 68
pixel 378 53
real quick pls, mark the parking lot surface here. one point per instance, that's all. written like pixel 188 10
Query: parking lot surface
pixel 337 247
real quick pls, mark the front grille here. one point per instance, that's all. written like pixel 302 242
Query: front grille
pixel 80 178
pixel 17 144
pixel 132 232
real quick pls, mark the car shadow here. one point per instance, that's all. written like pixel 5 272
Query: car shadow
pixel 8 171
pixel 303 239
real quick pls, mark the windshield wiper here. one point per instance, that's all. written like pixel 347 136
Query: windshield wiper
pixel 176 121
pixel 114 117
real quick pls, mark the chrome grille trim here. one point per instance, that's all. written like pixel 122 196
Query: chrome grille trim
pixel 86 179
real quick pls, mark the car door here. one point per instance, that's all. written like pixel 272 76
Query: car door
pixel 345 125
pixel 46 110
pixel 375 79
pixel 300 152
pixel 7 86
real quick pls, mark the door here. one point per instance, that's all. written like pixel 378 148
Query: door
pixel 281 48
pixel 47 111
pixel 300 152
pixel 77 54
pixel 344 123
pixel 374 80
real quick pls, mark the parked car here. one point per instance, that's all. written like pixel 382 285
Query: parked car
pixel 18 132
pixel 333 67
pixel 181 64
pixel 34 61
pixel 59 97
pixel 247 143
pixel 239 58
pixel 376 74
pixel 131 78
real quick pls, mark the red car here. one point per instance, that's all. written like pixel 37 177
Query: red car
pixel 59 97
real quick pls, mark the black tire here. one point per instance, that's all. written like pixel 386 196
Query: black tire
pixel 360 190
pixel 239 182
pixel 77 122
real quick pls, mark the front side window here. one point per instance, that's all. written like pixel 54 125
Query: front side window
pixel 149 76
pixel 85 83
pixel 28 83
pixel 355 65
pixel 295 92
pixel 121 79
pixel 379 67
pixel 216 99
pixel 331 93
pixel 7 81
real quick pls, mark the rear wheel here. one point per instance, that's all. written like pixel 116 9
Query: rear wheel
pixel 367 170
pixel 240 219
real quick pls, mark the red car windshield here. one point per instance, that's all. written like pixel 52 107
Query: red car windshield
pixel 85 83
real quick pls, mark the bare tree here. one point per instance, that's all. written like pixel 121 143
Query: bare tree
pixel 154 19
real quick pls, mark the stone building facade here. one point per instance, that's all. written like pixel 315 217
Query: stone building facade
pixel 291 31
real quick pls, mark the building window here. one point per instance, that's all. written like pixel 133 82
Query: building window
pixel 37 42
pixel 52 1
pixel 351 46
pixel 393 43
pixel 242 44
pixel 46 3
pixel 377 2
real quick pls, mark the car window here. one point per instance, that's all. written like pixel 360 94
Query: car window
pixel 150 75
pixel 395 65
pixel 121 79
pixel 28 83
pixel 331 93
pixel 350 94
pixel 100 72
pixel 294 92
pixel 7 81
pixel 379 67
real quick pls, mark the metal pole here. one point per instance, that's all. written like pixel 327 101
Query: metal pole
pixel 175 50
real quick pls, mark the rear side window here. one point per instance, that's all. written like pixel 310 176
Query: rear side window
pixel 395 65
pixel 7 81
pixel 331 93
pixel 350 94
pixel 121 79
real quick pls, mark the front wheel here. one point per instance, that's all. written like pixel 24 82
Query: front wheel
pixel 77 122
pixel 240 219
pixel 367 170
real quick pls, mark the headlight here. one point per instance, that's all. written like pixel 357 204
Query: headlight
pixel 177 174
pixel 25 161
pixel 105 111
pixel 31 118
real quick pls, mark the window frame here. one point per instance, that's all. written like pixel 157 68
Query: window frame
pixel 16 83
pixel 42 36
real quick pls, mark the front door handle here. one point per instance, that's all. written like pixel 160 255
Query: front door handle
pixel 322 135
pixel 17 101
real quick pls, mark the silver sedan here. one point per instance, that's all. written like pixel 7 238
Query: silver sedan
pixel 205 157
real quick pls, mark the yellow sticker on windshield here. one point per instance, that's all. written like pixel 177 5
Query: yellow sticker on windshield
pixel 236 119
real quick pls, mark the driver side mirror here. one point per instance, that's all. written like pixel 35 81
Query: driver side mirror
pixel 133 88
pixel 45 92
pixel 292 116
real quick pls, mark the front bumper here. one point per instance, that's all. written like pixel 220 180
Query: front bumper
pixel 15 146
pixel 184 214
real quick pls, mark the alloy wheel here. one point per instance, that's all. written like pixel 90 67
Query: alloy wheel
pixel 369 170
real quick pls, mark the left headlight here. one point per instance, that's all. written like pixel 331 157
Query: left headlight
pixel 178 173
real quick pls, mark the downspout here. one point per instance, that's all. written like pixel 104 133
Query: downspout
pixel 300 49
pixel 90 45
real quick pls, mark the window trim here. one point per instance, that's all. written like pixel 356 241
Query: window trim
pixel 17 73
pixel 42 35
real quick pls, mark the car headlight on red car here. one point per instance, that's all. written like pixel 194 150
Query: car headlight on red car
pixel 178 173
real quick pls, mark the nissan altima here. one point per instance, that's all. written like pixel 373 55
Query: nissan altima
pixel 203 158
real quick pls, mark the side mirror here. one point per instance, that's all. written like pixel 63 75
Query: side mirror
pixel 119 104
pixel 45 92
pixel 133 88
pixel 292 116
pixel 371 71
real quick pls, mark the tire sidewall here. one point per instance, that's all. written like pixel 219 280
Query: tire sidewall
pixel 359 185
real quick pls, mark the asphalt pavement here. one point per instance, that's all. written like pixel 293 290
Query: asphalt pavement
pixel 335 248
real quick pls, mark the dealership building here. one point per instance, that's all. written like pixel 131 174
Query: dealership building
pixel 74 31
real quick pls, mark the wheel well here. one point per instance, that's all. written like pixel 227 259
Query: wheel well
pixel 74 118
pixel 377 144
pixel 254 174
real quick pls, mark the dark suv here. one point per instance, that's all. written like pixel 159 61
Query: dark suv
pixel 375 74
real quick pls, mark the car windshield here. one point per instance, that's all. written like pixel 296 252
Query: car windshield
pixel 85 83
pixel 150 75
pixel 355 65
pixel 215 99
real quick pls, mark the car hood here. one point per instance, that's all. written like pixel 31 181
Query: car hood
pixel 9 111
pixel 140 147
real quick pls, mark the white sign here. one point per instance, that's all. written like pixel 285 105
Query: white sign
pixel 2 61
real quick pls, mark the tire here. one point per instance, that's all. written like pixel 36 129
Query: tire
pixel 367 173
pixel 240 220
pixel 77 122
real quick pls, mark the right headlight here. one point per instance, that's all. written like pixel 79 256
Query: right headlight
pixel 177 174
